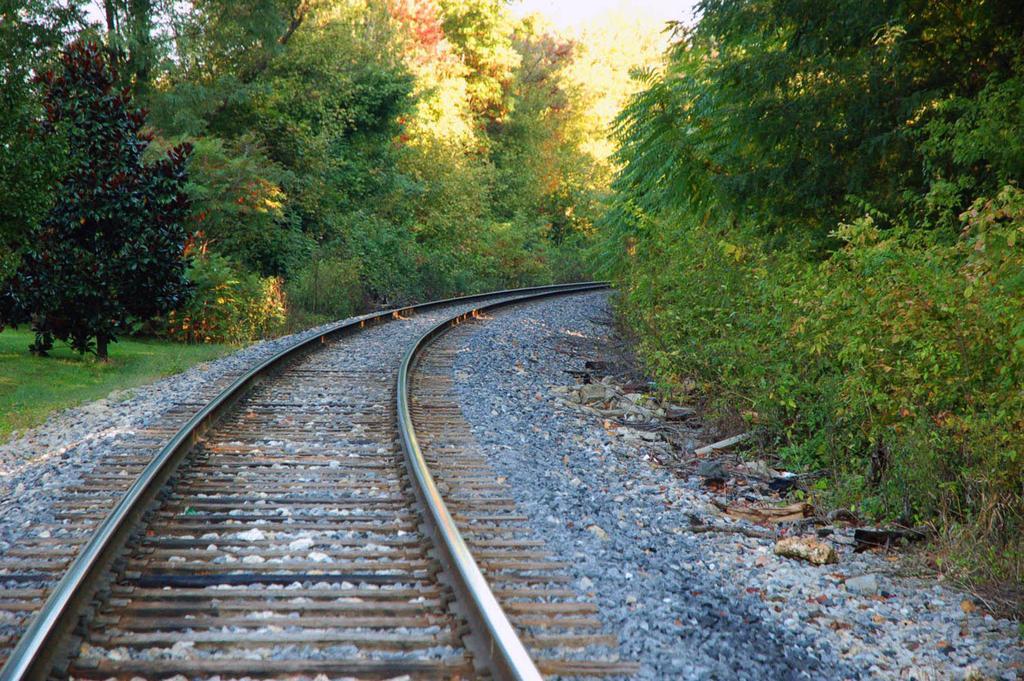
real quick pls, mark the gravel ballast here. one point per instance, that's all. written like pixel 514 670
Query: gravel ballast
pixel 38 465
pixel 694 605
pixel 683 605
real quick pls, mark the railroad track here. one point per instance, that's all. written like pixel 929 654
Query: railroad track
pixel 325 514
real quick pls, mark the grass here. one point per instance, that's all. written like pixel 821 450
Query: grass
pixel 33 387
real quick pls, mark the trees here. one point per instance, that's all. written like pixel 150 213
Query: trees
pixel 793 118
pixel 481 33
pixel 110 250
pixel 420 147
pixel 30 31
pixel 132 40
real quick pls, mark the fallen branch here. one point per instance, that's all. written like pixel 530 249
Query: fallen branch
pixel 870 538
pixel 732 529
pixel 767 514
pixel 722 444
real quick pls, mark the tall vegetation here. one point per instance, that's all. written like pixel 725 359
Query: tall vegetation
pixel 31 34
pixel 817 222
pixel 346 153
pixel 108 253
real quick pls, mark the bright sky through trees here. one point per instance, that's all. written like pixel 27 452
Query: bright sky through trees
pixel 570 13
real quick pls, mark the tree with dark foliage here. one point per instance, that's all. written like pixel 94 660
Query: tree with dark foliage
pixel 110 253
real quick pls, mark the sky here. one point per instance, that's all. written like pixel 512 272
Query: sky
pixel 571 13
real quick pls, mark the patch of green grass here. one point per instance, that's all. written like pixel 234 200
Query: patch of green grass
pixel 32 387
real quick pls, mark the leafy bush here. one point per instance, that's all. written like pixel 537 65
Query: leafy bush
pixel 229 305
pixel 974 145
pixel 513 254
pixel 328 287
pixel 895 364
pixel 239 205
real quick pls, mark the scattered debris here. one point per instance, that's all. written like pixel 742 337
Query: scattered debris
pixel 722 444
pixel 759 469
pixel 782 484
pixel 865 538
pixel 767 514
pixel 593 392
pixel 712 471
pixel 666 433
pixel 733 529
pixel 676 413
pixel 806 548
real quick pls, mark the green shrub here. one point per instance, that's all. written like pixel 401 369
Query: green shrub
pixel 239 204
pixel 391 260
pixel 327 287
pixel 511 254
pixel 229 306
pixel 896 364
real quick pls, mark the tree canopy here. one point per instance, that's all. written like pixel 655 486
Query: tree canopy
pixel 346 153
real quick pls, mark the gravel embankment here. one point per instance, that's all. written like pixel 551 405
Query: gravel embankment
pixel 687 605
pixel 37 465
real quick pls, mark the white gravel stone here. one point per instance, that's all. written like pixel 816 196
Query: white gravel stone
pixel 864 585
pixel 255 534
pixel 301 544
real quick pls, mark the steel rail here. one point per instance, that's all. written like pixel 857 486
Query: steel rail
pixel 39 647
pixel 503 652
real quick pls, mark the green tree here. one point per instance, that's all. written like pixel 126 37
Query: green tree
pixel 785 116
pixel 481 32
pixel 305 99
pixel 133 41
pixel 110 251
pixel 31 31
pixel 240 204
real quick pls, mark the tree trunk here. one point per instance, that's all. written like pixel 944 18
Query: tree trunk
pixel 316 284
pixel 101 346
pixel 140 41
pixel 111 16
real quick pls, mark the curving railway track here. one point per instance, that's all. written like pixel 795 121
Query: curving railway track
pixel 324 514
